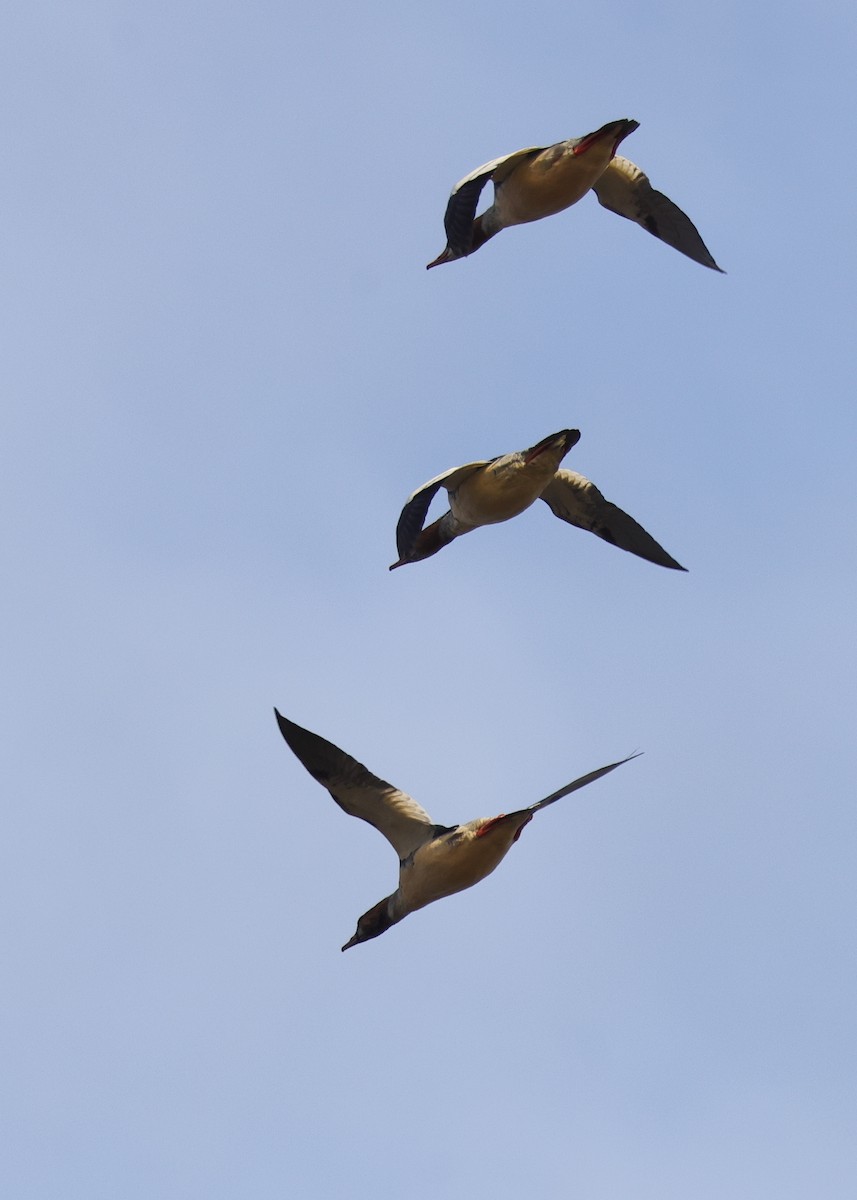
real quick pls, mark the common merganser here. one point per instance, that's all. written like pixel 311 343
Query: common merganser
pixel 494 490
pixel 542 180
pixel 434 860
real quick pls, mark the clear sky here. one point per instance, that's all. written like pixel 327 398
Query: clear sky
pixel 225 368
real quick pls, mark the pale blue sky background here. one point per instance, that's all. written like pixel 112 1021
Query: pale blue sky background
pixel 225 367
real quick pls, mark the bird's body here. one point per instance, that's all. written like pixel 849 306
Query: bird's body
pixel 456 860
pixel 550 181
pixel 495 490
pixel 507 485
pixel 541 181
pixel 434 860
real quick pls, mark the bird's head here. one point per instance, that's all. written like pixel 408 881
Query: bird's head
pixel 430 540
pixel 478 235
pixel 445 256
pixel 372 924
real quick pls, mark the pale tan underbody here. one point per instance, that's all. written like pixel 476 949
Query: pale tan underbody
pixel 487 493
pixel 504 488
pixel 455 861
pixel 434 861
pixel 547 184
pixel 541 181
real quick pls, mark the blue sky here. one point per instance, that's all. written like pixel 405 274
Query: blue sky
pixel 225 369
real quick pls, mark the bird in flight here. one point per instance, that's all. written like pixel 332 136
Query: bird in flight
pixel 494 490
pixel 542 180
pixel 434 860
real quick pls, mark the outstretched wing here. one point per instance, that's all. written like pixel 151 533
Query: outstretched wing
pixel 625 189
pixel 418 503
pixel 573 498
pixel 581 782
pixel 403 822
pixel 461 209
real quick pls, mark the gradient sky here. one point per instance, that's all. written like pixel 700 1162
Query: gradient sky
pixel 225 369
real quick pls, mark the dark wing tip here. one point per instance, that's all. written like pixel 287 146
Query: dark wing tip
pixel 666 221
pixel 316 754
pixel 460 215
pixel 411 521
pixel 290 730
pixel 672 565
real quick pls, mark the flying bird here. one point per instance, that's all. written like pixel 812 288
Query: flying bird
pixel 542 180
pixel 434 860
pixel 494 490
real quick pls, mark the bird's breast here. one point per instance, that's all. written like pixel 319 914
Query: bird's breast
pixel 453 863
pixel 501 490
pixel 550 182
